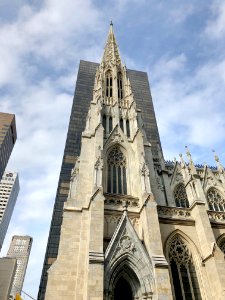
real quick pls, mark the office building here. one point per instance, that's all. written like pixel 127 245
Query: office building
pixel 8 137
pixel 126 223
pixel 19 248
pixel 9 189
pixel 7 272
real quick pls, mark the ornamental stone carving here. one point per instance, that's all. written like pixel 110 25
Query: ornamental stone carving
pixel 116 137
pixel 74 179
pixel 211 181
pixel 216 216
pixel 144 171
pixel 98 168
pixel 178 177
pixel 164 211
pixel 134 202
pixel 125 245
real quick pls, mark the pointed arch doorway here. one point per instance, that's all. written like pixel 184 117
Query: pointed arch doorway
pixel 123 290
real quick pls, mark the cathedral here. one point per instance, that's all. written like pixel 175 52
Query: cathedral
pixel 126 223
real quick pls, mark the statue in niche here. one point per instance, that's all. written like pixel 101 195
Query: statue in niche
pixel 144 175
pixel 74 179
pixel 98 168
pixel 88 120
pixel 98 85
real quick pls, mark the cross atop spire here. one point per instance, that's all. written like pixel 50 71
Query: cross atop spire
pixel 111 54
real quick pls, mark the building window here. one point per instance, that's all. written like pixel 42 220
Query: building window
pixel 120 86
pixel 221 245
pixel 107 123
pixel 184 277
pixel 128 128
pixel 110 124
pixel 180 196
pixel 109 84
pixel 121 123
pixel 215 200
pixel 104 122
pixel 116 162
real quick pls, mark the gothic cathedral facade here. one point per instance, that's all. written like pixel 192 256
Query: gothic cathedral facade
pixel 134 226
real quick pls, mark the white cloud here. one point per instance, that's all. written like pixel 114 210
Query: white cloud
pixel 216 26
pixel 40 51
pixel 189 107
pixel 181 13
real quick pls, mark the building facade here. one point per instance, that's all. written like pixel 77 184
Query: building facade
pixel 134 226
pixel 7 138
pixel 19 248
pixel 7 273
pixel 9 189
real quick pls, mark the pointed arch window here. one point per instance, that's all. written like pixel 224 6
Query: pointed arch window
pixel 109 84
pixel 180 196
pixel 110 124
pixel 120 86
pixel 116 181
pixel 215 200
pixel 221 244
pixel 128 128
pixel 184 277
pixel 121 124
pixel 107 123
pixel 104 122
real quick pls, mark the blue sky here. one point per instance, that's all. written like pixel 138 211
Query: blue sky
pixel 179 43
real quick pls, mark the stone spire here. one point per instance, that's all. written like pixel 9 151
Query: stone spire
pixel 111 56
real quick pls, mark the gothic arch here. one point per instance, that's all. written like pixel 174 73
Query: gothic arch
pixel 127 258
pixel 184 266
pixel 221 242
pixel 180 196
pixel 107 119
pixel 118 138
pixel 109 83
pixel 116 170
pixel 131 270
pixel 120 85
pixel 215 199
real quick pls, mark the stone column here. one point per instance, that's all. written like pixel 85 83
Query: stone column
pixel 95 284
pixel 212 257
pixel 153 242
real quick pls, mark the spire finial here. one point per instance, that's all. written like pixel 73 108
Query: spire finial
pixel 191 163
pixel 188 153
pixel 219 165
pixel 111 55
pixel 215 156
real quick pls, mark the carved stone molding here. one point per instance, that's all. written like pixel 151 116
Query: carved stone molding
pixel 116 138
pixel 96 257
pixel 165 211
pixel 159 261
pixel 126 244
pixel 179 177
pixel 216 216
pixel 119 201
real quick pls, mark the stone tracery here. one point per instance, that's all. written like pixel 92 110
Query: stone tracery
pixel 180 196
pixel 116 183
pixel 215 200
pixel 184 277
